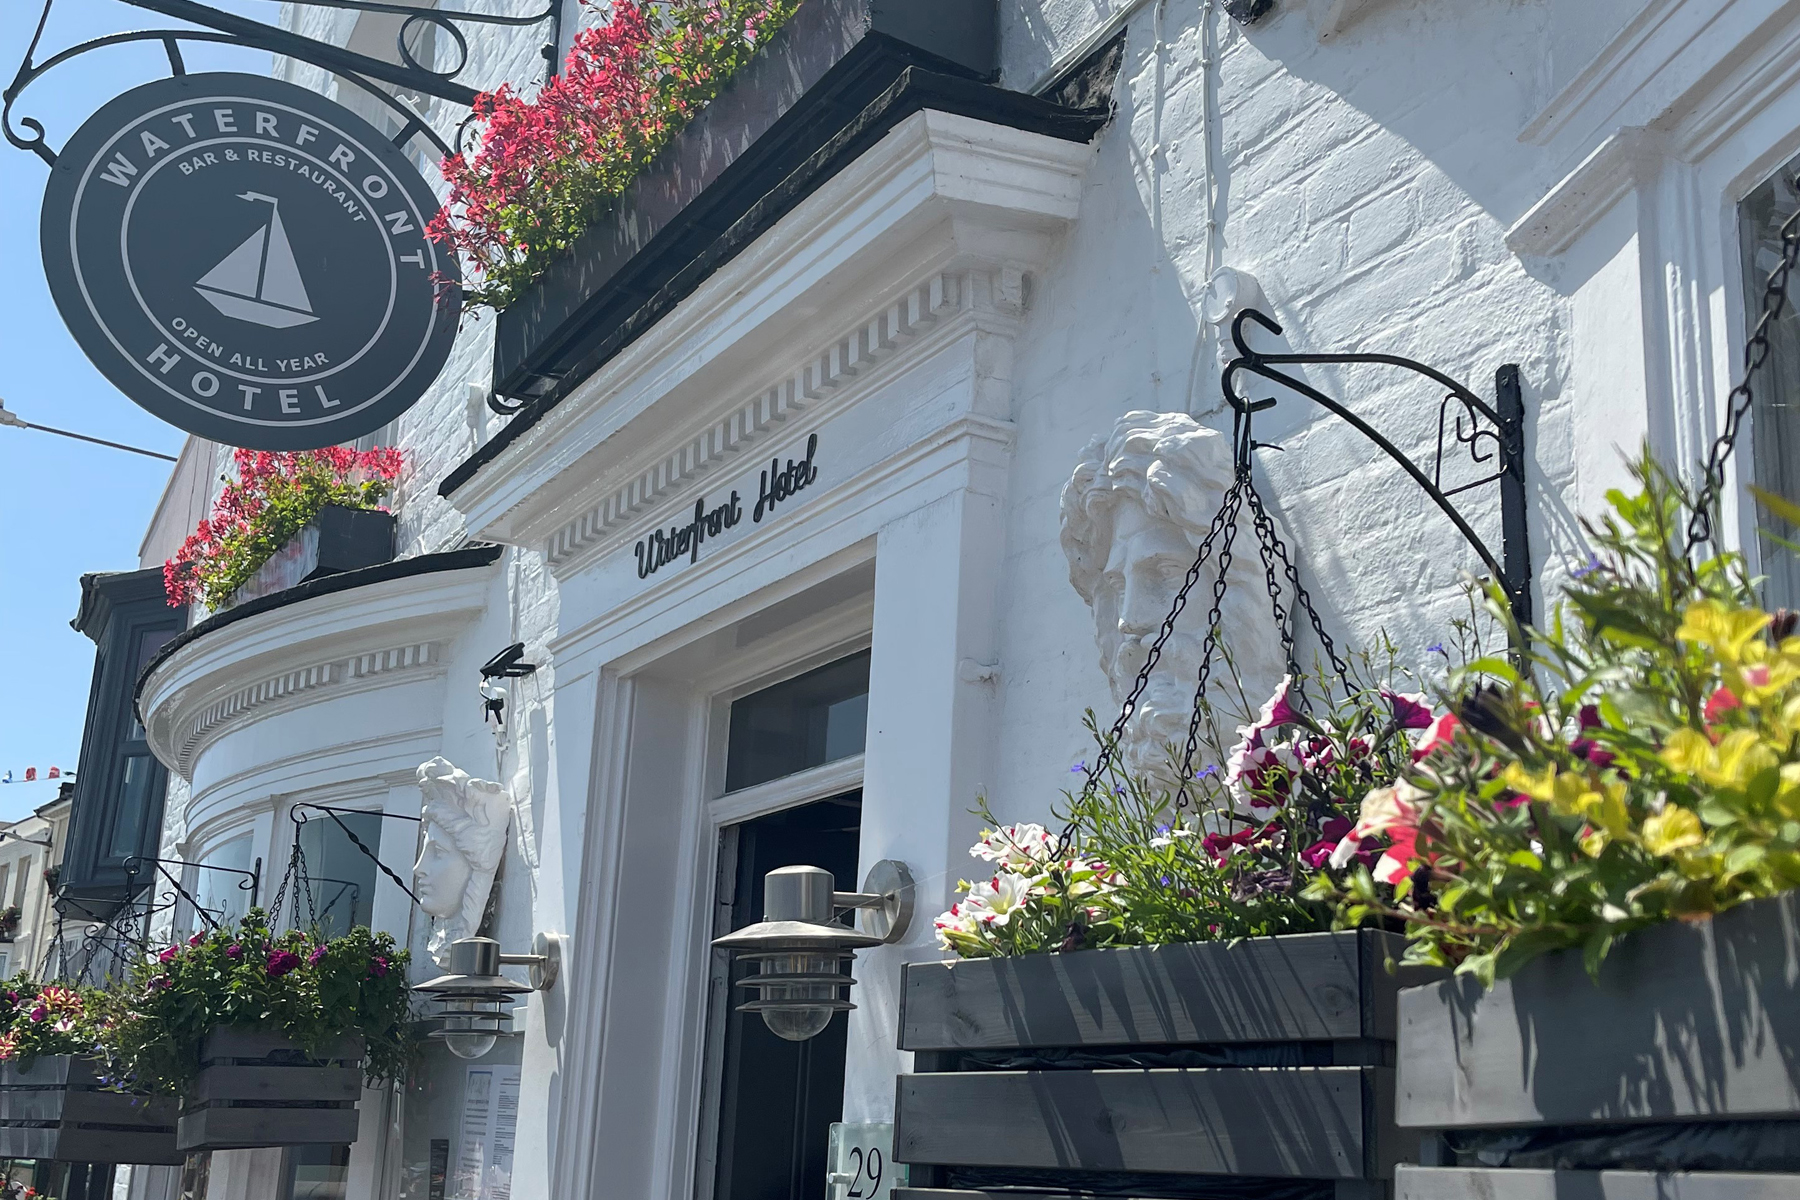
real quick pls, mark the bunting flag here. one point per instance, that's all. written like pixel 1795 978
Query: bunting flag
pixel 31 775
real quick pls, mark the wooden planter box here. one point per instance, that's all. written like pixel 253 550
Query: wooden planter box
pixel 1154 1071
pixel 259 1089
pixel 1675 1076
pixel 56 1108
pixel 338 539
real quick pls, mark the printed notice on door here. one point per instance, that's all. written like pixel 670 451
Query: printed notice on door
pixel 490 1122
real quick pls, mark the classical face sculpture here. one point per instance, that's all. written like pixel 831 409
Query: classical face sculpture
pixel 465 836
pixel 1133 516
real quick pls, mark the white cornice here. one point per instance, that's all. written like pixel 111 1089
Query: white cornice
pixel 1659 69
pixel 839 360
pixel 1680 76
pixel 939 195
pixel 305 653
pixel 1623 162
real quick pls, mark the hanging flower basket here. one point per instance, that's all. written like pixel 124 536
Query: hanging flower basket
pixel 1678 1057
pixel 262 1089
pixel 266 1038
pixel 60 1107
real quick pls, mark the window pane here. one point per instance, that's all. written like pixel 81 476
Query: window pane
pixel 1775 423
pixel 340 879
pixel 148 643
pixel 218 892
pixel 138 776
pixel 318 1172
pixel 817 718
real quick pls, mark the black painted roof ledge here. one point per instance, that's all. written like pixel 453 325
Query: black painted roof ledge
pixel 831 84
pixel 479 554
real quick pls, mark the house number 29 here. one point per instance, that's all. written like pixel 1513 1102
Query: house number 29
pixel 861 1166
pixel 865 1179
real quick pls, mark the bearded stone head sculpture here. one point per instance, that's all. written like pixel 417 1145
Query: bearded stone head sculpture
pixel 1133 517
pixel 465 837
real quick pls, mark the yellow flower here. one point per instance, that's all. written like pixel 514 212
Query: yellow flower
pixel 1739 757
pixel 1688 751
pixel 1726 631
pixel 1742 757
pixel 1540 785
pixel 1606 809
pixel 1674 828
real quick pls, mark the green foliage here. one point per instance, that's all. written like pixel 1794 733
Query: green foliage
pixel 1261 820
pixel 1641 764
pixel 250 977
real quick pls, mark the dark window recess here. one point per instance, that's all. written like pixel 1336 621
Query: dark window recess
pixel 118 802
pixel 816 718
pixel 778 1099
pixel 1775 412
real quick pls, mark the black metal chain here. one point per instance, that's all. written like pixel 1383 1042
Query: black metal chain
pixel 1737 404
pixel 1266 531
pixel 1234 503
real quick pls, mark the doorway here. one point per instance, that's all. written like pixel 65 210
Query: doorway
pixel 778 1099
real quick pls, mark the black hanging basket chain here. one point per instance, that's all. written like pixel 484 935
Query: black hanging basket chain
pixel 1232 507
pixel 1737 404
pixel 1502 446
pixel 1278 551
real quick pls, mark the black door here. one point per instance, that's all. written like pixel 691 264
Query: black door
pixel 778 1098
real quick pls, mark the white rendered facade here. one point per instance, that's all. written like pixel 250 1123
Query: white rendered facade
pixel 1549 183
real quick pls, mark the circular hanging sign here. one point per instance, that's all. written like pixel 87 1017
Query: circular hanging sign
pixel 248 261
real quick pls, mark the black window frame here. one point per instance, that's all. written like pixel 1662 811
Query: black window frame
pixel 118 611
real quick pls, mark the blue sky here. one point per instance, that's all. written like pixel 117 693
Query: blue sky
pixel 66 507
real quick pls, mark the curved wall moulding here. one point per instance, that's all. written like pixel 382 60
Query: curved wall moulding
pixel 319 649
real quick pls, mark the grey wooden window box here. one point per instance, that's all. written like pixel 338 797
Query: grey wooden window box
pixel 1104 1099
pixel 338 539
pixel 55 1107
pixel 1690 1026
pixel 259 1089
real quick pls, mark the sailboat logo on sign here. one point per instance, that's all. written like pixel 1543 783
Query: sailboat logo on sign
pixel 260 281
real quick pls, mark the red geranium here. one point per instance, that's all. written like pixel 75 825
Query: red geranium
pixel 273 497
pixel 549 164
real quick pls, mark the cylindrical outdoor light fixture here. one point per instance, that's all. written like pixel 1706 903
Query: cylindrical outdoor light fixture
pixel 472 1005
pixel 800 949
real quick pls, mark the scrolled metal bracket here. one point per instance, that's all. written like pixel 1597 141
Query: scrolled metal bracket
pixel 1500 441
pixel 224 28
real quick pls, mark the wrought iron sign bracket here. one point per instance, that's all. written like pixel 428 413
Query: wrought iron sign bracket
pixel 248 881
pixel 299 818
pixel 219 27
pixel 1495 434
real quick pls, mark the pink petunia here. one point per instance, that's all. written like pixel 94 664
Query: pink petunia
pixel 1409 708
